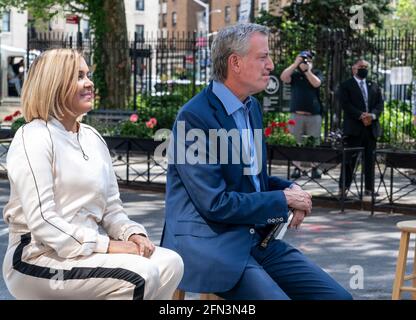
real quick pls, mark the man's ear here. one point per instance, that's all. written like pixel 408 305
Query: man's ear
pixel 234 63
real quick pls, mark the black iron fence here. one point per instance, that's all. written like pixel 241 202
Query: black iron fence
pixel 167 70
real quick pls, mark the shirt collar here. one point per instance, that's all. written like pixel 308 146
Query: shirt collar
pixel 229 100
pixel 359 80
pixel 55 122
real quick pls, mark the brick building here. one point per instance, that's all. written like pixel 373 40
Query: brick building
pixel 178 15
pixel 189 16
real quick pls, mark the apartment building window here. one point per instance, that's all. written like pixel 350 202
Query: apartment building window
pixel 263 6
pixel 6 21
pixel 238 12
pixel 86 32
pixel 140 5
pixel 139 29
pixel 227 14
pixel 174 18
pixel 164 23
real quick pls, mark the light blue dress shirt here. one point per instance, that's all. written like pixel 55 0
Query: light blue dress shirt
pixel 240 112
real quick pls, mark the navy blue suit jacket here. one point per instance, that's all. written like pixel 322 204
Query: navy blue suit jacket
pixel 212 210
pixel 352 102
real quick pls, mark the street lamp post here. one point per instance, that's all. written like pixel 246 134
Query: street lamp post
pixel 208 33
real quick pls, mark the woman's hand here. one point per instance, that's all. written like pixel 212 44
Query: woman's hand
pixel 144 245
pixel 137 244
pixel 117 246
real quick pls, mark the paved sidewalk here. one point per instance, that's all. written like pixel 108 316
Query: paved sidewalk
pixel 345 245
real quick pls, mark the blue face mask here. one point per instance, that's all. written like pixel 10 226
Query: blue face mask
pixel 362 73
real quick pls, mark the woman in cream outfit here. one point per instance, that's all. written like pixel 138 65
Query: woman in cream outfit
pixel 70 237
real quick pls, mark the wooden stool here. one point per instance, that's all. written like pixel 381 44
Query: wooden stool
pixel 407 227
pixel 180 295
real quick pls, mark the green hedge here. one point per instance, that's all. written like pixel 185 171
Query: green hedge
pixel 398 130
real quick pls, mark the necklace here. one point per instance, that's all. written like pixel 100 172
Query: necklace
pixel 85 156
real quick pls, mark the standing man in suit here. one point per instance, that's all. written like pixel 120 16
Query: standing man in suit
pixel 363 104
pixel 219 210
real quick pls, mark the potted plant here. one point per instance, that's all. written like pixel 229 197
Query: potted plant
pixel 278 133
pixel 133 134
pixel 282 145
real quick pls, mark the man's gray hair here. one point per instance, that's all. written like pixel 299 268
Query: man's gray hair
pixel 229 40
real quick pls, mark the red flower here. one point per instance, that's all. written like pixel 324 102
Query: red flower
pixel 282 124
pixel 153 120
pixel 150 124
pixel 291 122
pixel 268 131
pixel 8 118
pixel 17 113
pixel 286 130
pixel 134 117
pixel 274 124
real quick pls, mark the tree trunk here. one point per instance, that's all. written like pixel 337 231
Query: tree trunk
pixel 112 52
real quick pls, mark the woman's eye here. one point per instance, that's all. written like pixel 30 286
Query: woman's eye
pixel 82 76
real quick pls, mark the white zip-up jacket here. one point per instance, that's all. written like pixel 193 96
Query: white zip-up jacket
pixel 62 189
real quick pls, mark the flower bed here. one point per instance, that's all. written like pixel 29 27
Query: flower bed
pixel 12 121
pixel 278 133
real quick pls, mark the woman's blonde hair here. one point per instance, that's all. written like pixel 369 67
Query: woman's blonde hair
pixel 51 84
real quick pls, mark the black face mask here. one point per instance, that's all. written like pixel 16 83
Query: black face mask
pixel 362 73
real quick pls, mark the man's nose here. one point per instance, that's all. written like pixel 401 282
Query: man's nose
pixel 270 65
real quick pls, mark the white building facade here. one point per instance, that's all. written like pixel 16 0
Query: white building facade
pixel 14 28
pixel 13 41
pixel 142 16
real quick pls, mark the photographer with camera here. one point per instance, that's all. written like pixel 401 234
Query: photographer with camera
pixel 305 104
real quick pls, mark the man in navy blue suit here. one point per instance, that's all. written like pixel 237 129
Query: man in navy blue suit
pixel 220 202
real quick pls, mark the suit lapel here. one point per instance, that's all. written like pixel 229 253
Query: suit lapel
pixel 226 121
pixel 369 95
pixel 256 123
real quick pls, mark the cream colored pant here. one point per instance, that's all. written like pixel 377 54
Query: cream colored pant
pixel 98 276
